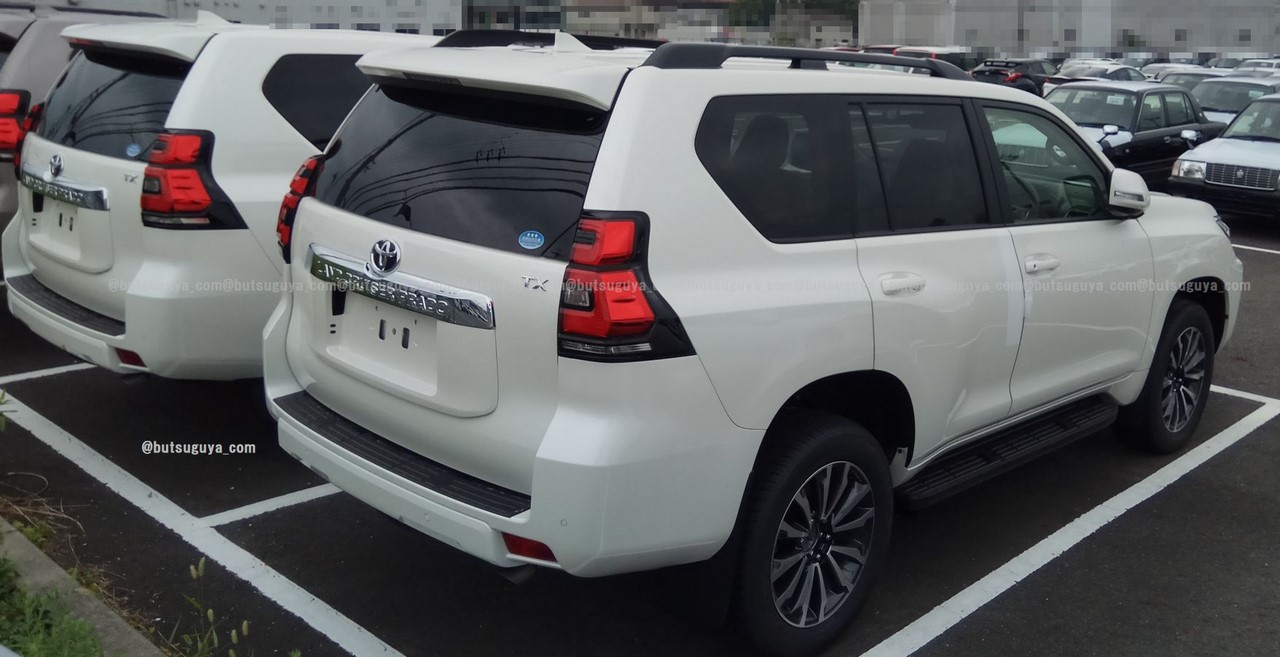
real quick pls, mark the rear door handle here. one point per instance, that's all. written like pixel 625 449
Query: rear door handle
pixel 901 282
pixel 1040 262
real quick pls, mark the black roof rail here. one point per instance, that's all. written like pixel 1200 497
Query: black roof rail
pixel 110 12
pixel 502 38
pixel 21 6
pixel 713 55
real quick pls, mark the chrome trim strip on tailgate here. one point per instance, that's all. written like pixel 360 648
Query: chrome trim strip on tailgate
pixel 443 302
pixel 89 197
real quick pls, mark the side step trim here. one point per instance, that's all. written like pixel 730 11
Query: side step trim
pixel 389 456
pixel 35 292
pixel 1006 449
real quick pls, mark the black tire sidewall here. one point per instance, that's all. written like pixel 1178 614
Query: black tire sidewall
pixel 1147 429
pixel 816 440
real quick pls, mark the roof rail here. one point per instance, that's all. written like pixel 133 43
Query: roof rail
pixel 21 6
pixel 713 55
pixel 502 38
pixel 111 12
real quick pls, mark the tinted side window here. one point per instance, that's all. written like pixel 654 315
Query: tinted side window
pixel 928 164
pixel 315 92
pixel 1151 116
pixel 773 157
pixel 1047 175
pixel 1179 109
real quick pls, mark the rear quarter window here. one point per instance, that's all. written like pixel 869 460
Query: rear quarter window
pixel 111 103
pixel 314 93
pixel 498 172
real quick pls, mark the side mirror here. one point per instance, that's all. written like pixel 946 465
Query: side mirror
pixel 1128 193
pixel 1191 136
pixel 1110 129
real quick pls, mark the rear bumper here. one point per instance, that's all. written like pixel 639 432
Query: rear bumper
pixel 186 318
pixel 1228 200
pixel 641 472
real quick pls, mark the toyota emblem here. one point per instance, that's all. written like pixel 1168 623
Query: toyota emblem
pixel 1239 173
pixel 384 257
pixel 55 166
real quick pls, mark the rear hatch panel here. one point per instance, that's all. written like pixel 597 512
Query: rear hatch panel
pixel 479 199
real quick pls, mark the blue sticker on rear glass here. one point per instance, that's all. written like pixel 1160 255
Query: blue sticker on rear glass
pixel 132 150
pixel 531 239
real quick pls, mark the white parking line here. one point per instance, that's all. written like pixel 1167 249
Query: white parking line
pixel 267 506
pixel 1232 392
pixel 1255 248
pixel 313 611
pixel 38 374
pixel 931 625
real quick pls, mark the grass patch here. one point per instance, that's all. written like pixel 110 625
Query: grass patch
pixel 39 625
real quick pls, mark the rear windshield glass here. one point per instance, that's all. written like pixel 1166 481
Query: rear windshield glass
pixel 112 104
pixel 495 172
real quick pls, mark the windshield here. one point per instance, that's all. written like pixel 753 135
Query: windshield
pixel 1094 108
pixel 112 104
pixel 1084 71
pixel 1259 121
pixel 486 172
pixel 1227 96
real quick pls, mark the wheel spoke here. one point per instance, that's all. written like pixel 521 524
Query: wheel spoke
pixel 824 496
pixel 842 577
pixel 854 554
pixel 806 592
pixel 789 590
pixel 1170 401
pixel 790 530
pixel 785 564
pixel 1195 376
pixel 1195 358
pixel 822 592
pixel 856 495
pixel 840 493
pixel 857 522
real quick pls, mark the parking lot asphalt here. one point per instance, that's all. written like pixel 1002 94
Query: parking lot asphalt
pixel 1191 570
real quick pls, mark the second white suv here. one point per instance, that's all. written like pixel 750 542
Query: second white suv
pixel 613 311
pixel 150 183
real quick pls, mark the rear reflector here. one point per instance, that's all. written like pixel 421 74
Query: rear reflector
pixel 527 548
pixel 129 358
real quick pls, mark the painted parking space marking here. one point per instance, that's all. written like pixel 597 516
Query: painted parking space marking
pixel 267 506
pixel 1231 392
pixel 946 615
pixel 1256 248
pixel 199 534
pixel 39 374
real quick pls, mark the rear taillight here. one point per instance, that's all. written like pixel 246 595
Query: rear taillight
pixel 609 311
pixel 13 117
pixel 302 186
pixel 1013 77
pixel 178 190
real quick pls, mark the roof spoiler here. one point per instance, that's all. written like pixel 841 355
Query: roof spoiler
pixel 110 12
pixel 503 38
pixel 713 55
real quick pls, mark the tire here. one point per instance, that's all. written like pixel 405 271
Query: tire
pixel 1177 387
pixel 812 449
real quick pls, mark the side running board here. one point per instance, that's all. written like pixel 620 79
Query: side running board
pixel 1005 450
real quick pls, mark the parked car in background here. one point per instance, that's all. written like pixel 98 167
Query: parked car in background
pixel 34 55
pixel 1257 67
pixel 1224 63
pixel 145 235
pixel 1222 98
pixel 882 49
pixel 1139 61
pixel 1189 78
pixel 959 56
pixel 1095 72
pixel 1025 74
pixel 1153 71
pixel 1239 172
pixel 1138 124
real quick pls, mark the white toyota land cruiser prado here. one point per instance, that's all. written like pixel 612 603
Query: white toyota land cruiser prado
pixel 609 311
